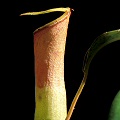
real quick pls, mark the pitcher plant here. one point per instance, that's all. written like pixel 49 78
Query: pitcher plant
pixel 49 49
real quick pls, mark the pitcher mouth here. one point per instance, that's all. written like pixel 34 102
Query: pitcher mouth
pixel 67 12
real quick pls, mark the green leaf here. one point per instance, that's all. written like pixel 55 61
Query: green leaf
pixel 101 41
pixel 115 108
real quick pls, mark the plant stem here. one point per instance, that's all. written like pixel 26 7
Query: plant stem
pixel 76 97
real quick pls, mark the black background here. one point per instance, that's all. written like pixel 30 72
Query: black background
pixel 89 20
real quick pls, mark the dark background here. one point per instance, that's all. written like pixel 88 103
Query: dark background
pixel 89 20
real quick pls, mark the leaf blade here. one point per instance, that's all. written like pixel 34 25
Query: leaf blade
pixel 100 42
